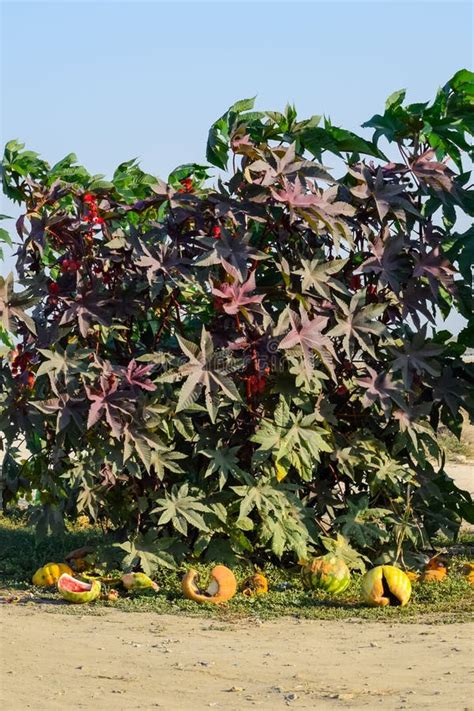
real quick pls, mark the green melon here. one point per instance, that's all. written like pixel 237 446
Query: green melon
pixel 78 591
pixel 328 573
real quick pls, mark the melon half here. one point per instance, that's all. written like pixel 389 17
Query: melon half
pixel 78 591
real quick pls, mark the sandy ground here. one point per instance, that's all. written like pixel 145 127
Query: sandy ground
pixel 141 661
pixel 119 661
pixel 463 475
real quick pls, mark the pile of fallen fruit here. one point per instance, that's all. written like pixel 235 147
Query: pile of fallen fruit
pixel 381 586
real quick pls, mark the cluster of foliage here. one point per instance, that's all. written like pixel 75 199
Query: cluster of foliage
pixel 236 370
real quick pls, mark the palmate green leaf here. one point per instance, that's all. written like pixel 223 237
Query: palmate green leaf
pixel 318 275
pixel 5 237
pixel 284 534
pixel 446 505
pixel 67 361
pixel 395 99
pixel 285 523
pixel 336 140
pixel 67 170
pixel 291 441
pixel 262 495
pixel 18 163
pixel 357 323
pixel 341 547
pixel 5 337
pixel 13 306
pixel 87 502
pixel 368 459
pixel 416 436
pixel 196 171
pixel 387 474
pixel 153 453
pixel 204 371
pixel 223 462
pixel 166 460
pixel 463 82
pixel 184 425
pixel 149 552
pixel 462 252
pixel 418 356
pixel 366 527
pixel 217 150
pixel 180 509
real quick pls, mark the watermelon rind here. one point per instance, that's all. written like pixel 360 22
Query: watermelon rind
pixel 75 596
pixel 328 573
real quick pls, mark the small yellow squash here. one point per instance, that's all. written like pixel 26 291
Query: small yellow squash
pixel 50 573
pixel 255 585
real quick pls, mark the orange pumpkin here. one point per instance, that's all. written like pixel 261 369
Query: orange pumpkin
pixel 222 587
pixel 112 595
pixel 435 571
pixel 255 585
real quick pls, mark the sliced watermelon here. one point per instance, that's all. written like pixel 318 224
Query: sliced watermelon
pixel 78 591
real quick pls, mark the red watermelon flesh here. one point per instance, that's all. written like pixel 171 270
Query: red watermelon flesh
pixel 72 585
pixel 78 591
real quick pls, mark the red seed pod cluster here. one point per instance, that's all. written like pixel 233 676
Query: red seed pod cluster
pixel 20 360
pixel 30 380
pixel 256 383
pixel 93 211
pixel 20 365
pixel 216 232
pixel 70 265
pixel 355 282
pixel 187 184
pixel 53 291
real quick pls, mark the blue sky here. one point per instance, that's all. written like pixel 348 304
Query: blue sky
pixel 116 80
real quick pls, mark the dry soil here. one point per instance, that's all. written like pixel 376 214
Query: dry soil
pixel 142 661
pixel 119 661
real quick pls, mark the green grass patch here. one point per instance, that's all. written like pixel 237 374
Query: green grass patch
pixel 21 554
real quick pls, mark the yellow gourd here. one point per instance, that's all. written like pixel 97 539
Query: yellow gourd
pixel 469 572
pixel 255 585
pixel 49 574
